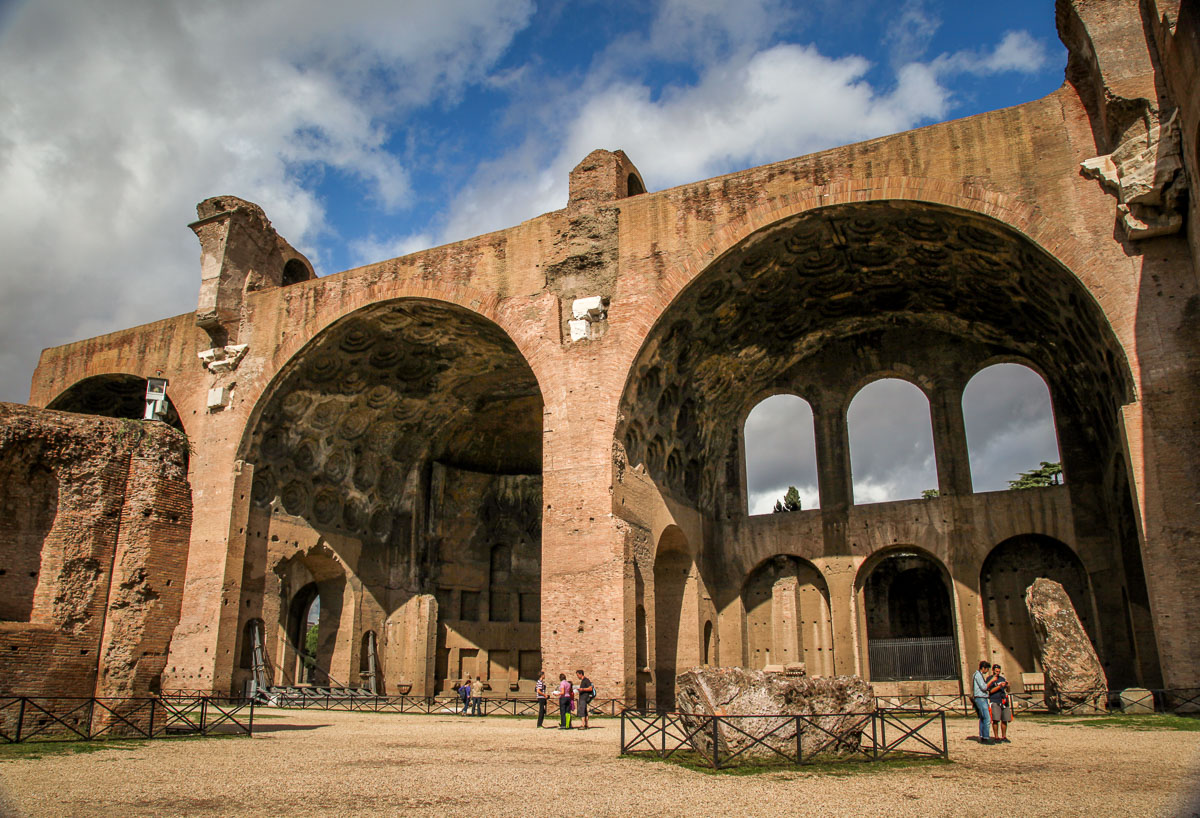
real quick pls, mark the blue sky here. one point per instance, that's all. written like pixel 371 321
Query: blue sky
pixel 367 129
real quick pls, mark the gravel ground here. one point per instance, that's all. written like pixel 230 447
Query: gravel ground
pixel 366 764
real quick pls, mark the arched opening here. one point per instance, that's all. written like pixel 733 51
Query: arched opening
pixel 710 647
pixel 28 508
pixel 906 601
pixel 111 396
pixel 676 613
pixel 304 632
pixel 787 618
pixel 826 300
pixel 891 442
pixel 1007 573
pixel 406 439
pixel 634 186
pixel 1010 425
pixel 294 272
pixel 368 663
pixel 781 454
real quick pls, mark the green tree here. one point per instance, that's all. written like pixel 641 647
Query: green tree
pixel 1048 474
pixel 930 494
pixel 790 501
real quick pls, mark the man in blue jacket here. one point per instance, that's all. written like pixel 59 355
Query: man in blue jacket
pixel 979 692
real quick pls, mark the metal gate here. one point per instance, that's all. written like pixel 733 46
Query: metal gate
pixel 921 658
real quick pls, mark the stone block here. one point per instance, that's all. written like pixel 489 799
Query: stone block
pixel 1137 700
pixel 834 703
pixel 1075 680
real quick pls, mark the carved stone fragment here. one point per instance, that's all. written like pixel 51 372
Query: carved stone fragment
pixel 734 691
pixel 1075 681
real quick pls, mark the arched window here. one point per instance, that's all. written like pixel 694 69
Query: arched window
pixel 294 272
pixel 891 442
pixel 634 186
pixel 781 453
pixel 1010 426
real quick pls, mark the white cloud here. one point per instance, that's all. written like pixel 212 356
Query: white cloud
pixel 748 107
pixel 372 248
pixel 117 118
pixel 911 31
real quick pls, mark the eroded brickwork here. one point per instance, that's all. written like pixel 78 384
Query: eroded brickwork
pixel 95 554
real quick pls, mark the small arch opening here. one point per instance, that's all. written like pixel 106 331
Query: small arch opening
pixel 891 442
pixel 910 619
pixel 1011 437
pixel 781 456
pixel 294 272
pixel 634 186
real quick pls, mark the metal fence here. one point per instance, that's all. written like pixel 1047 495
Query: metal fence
pixel 429 705
pixel 724 741
pixel 1179 701
pixel 68 718
pixel 925 658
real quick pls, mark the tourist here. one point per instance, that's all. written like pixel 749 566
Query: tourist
pixel 464 693
pixel 564 702
pixel 477 697
pixel 585 697
pixel 1000 704
pixel 979 692
pixel 540 688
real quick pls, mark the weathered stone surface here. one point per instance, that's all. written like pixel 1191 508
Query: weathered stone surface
pixel 1137 700
pixel 734 691
pixel 1074 678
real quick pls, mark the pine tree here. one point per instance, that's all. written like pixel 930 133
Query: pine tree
pixel 790 501
pixel 1048 474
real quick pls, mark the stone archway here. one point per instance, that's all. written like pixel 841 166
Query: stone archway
pixel 407 437
pixel 908 608
pixel 1009 570
pixel 786 603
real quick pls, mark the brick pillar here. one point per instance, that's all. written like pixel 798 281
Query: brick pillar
pixel 833 471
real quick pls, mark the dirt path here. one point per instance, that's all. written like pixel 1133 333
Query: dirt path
pixel 366 764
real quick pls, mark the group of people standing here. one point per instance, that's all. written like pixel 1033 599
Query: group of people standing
pixel 573 699
pixel 993 703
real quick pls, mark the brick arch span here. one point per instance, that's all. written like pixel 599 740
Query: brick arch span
pixel 363 407
pixel 773 289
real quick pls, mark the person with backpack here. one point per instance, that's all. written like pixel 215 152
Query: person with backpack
pixel 464 693
pixel 587 692
pixel 564 702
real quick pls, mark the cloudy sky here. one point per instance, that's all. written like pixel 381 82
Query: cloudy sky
pixel 372 128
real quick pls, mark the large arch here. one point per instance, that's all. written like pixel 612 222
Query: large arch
pixel 406 436
pixel 830 295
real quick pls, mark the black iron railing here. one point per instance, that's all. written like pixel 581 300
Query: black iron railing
pixel 1181 701
pixel 68 718
pixel 430 705
pixel 722 741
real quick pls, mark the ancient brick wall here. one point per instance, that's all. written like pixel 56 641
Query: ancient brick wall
pixel 1003 193
pixel 104 526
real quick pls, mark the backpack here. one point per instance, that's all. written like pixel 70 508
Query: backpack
pixel 595 692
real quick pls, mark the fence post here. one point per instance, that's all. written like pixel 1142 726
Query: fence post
pixel 250 724
pixel 662 735
pixel 91 717
pixel 622 734
pixel 799 745
pixel 875 734
pixel 945 746
pixel 203 713
pixel 20 719
pixel 153 702
pixel 716 742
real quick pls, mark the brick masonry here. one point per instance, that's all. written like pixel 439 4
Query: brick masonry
pixel 1014 172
